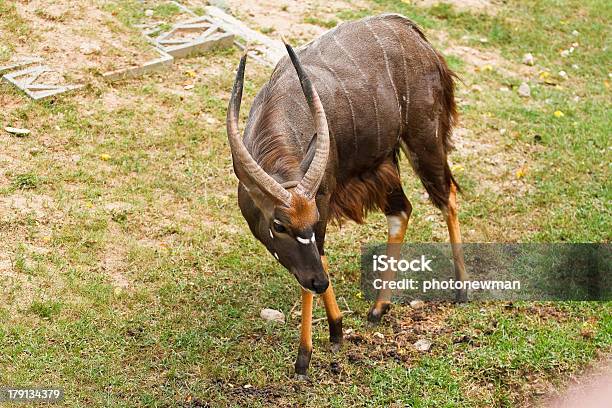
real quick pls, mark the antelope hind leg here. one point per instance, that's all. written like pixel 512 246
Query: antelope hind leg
pixel 398 213
pixel 452 222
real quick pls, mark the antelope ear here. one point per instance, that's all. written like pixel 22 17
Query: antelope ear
pixel 310 153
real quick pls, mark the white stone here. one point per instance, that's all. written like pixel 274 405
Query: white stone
pixel 524 90
pixel 149 13
pixel 379 335
pixel 528 59
pixel 575 33
pixel 272 315
pixel 17 131
pixel 417 304
pixel 90 48
pixel 563 74
pixel 422 345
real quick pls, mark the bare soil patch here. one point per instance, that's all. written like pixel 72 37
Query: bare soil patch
pixel 287 17
pixel 483 6
pixel 79 39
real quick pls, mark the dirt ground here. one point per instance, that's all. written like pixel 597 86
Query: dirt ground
pixel 79 40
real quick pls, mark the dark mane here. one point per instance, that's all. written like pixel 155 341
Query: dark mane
pixel 269 144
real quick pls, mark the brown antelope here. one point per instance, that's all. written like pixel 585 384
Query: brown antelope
pixel 326 147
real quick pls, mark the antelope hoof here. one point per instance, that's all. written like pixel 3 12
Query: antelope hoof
pixel 377 311
pixel 302 362
pixel 461 296
pixel 335 334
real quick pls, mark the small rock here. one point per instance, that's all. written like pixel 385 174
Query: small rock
pixel 502 131
pixel 348 331
pixel 247 386
pixel 417 304
pixel 118 210
pixel 565 53
pixel 422 345
pixel 272 315
pixel 528 59
pixel 211 121
pixel 90 48
pixel 17 131
pixel 576 98
pixel 379 335
pixel 504 89
pixel 563 74
pixel 575 33
pixel 149 13
pixel 575 66
pixel 483 40
pixel 524 90
pixel 188 87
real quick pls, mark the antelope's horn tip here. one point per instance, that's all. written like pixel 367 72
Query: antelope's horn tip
pixel 247 48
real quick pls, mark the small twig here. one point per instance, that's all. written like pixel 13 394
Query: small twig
pixel 292 309
pixel 348 308
pixel 320 319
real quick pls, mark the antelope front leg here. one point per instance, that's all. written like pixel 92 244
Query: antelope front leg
pixel 334 316
pixel 305 350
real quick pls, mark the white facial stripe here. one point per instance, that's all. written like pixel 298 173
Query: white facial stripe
pixel 276 255
pixel 271 235
pixel 304 241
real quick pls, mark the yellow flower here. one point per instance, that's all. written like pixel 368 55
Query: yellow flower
pixel 105 157
pixel 457 168
pixel 520 173
pixel 359 295
pixel 559 114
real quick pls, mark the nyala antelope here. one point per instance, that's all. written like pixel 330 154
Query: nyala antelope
pixel 324 145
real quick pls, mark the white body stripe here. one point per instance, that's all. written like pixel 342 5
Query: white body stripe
pixel 386 58
pixel 371 92
pixel 346 94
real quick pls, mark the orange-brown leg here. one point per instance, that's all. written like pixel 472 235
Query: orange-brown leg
pixel 334 316
pixel 454 232
pixel 305 350
pixel 398 215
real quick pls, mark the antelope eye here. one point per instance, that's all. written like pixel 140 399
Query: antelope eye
pixel 278 227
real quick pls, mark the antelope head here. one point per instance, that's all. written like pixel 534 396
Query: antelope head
pixel 283 214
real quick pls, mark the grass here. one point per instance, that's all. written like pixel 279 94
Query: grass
pixel 141 191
